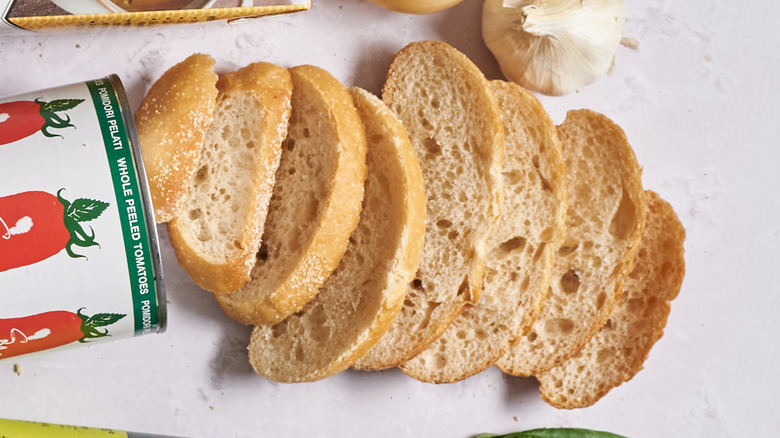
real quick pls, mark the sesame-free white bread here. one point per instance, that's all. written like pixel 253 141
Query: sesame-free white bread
pixel 520 252
pixel 360 300
pixel 315 204
pixel 618 351
pixel 454 124
pixel 171 123
pixel 217 232
pixel 604 221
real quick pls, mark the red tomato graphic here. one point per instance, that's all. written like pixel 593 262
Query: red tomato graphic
pixel 51 329
pixel 36 225
pixel 22 119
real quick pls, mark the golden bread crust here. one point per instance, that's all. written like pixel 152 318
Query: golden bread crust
pixel 270 89
pixel 264 301
pixel 618 351
pixel 520 252
pixel 604 222
pixel 425 87
pixel 359 301
pixel 171 123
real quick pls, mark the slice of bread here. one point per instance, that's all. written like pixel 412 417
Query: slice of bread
pixel 315 205
pixel 454 123
pixel 520 252
pixel 618 351
pixel 360 300
pixel 217 233
pixel 604 221
pixel 171 123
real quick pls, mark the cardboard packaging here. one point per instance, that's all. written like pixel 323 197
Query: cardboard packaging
pixel 69 15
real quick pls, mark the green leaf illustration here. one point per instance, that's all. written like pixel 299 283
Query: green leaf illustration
pixel 90 325
pixel 52 120
pixel 80 210
pixel 103 319
pixel 83 209
pixel 60 104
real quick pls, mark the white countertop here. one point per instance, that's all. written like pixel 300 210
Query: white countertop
pixel 698 101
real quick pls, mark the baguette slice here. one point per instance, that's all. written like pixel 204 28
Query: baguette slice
pixel 315 205
pixel 360 300
pixel 618 351
pixel 604 221
pixel 171 123
pixel 520 252
pixel 454 123
pixel 217 233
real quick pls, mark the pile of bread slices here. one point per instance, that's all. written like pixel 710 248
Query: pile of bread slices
pixel 445 228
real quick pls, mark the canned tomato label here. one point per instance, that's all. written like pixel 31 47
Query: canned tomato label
pixel 79 254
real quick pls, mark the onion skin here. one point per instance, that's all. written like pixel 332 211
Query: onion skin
pixel 416 6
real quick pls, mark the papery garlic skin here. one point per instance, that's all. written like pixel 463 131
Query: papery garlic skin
pixel 554 47
pixel 416 6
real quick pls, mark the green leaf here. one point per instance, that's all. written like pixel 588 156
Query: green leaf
pixel 51 119
pixel 563 432
pixel 65 203
pixel 60 104
pixel 90 325
pixel 103 319
pixel 80 210
pixel 92 333
pixel 71 253
pixel 83 209
pixel 55 121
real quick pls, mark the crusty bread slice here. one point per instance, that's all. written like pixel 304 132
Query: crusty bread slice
pixel 171 123
pixel 604 221
pixel 360 300
pixel 454 123
pixel 520 252
pixel 618 351
pixel 315 205
pixel 217 233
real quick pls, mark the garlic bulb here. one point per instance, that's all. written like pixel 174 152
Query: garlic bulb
pixel 553 47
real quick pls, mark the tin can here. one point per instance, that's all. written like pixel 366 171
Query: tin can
pixel 79 251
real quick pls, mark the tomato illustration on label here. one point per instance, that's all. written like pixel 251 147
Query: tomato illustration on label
pixel 24 118
pixel 36 225
pixel 47 330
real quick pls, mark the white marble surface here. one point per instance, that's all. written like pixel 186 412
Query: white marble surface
pixel 698 100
